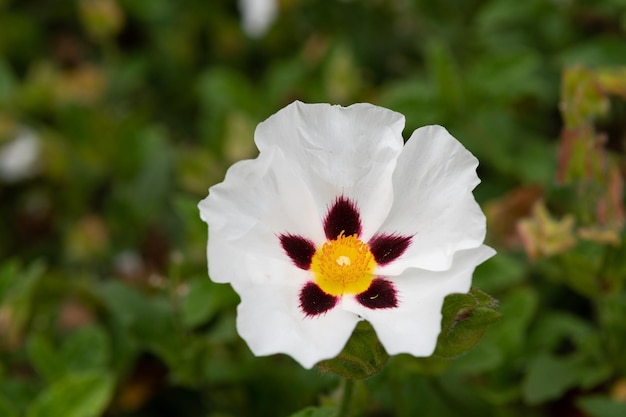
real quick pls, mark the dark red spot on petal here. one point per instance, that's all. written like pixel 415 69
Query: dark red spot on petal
pixel 299 249
pixel 387 248
pixel 344 217
pixel 380 294
pixel 314 301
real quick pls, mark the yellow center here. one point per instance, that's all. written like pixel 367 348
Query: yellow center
pixel 343 266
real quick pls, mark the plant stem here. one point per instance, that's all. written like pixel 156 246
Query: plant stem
pixel 346 398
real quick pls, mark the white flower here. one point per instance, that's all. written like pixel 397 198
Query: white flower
pixel 257 16
pixel 19 158
pixel 337 221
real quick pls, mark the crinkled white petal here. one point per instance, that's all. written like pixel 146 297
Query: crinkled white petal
pixel 433 201
pixel 349 151
pixel 309 156
pixel 258 200
pixel 414 326
pixel 270 321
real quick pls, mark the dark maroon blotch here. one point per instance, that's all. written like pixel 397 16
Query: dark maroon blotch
pixel 314 301
pixel 299 249
pixel 380 294
pixel 343 216
pixel 387 248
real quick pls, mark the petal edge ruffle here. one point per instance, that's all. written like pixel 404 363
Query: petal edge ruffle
pixel 270 321
pixel 414 326
pixel 350 151
pixel 433 202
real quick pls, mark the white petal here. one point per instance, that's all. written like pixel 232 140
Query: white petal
pixel 433 201
pixel 270 321
pixel 349 151
pixel 258 200
pixel 413 326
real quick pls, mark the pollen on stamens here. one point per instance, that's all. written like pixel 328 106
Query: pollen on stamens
pixel 344 265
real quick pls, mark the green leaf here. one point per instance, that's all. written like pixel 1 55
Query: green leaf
pixel 316 412
pixel 443 69
pixel 598 406
pixel 548 377
pixel 518 309
pixel 149 189
pixel 595 52
pixel 17 289
pixel 16 281
pixel 204 300
pixel 149 319
pixel 465 320
pixel 362 357
pixel 483 357
pixel 225 89
pixel 7 409
pixel 85 349
pixel 505 342
pixel 611 313
pixel 511 75
pixel 44 357
pixel 413 95
pixel 499 273
pixel 76 395
pixel 552 329
pixel 7 81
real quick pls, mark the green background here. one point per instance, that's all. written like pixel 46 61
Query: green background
pixel 139 106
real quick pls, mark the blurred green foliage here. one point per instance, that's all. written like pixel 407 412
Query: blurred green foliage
pixel 135 107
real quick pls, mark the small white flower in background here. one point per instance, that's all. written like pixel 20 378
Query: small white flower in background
pixel 337 221
pixel 19 157
pixel 257 16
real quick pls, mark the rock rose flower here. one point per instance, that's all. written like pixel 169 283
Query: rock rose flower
pixel 337 221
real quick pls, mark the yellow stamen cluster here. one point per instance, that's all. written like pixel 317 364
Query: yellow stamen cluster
pixel 343 266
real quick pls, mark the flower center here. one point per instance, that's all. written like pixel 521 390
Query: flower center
pixel 343 266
